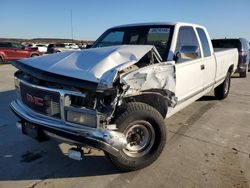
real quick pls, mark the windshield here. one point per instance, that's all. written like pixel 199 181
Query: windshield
pixel 159 36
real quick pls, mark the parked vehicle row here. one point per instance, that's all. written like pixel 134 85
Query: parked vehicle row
pixel 243 49
pixel 61 47
pixel 12 51
pixel 40 47
pixel 115 95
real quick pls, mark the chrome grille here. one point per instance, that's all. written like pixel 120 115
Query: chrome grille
pixel 41 101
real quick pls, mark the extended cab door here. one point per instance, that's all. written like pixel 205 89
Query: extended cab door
pixel 207 58
pixel 189 70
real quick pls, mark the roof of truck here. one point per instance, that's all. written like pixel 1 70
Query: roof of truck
pixel 155 23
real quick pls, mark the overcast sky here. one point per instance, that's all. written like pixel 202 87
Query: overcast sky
pixel 51 18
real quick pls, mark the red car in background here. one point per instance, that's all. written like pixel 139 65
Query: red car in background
pixel 12 51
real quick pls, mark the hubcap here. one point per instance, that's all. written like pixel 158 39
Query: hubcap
pixel 140 137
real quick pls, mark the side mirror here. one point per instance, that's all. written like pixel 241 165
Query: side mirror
pixel 187 53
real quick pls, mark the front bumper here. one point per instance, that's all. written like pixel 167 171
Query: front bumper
pixel 107 140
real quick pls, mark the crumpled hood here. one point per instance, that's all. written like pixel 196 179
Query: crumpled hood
pixel 93 64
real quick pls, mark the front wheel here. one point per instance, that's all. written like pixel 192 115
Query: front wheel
pixel 222 90
pixel 145 132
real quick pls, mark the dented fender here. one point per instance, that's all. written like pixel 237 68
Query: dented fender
pixel 156 78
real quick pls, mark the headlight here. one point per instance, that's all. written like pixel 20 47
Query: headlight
pixel 86 101
pixel 17 86
pixel 81 118
pixel 103 85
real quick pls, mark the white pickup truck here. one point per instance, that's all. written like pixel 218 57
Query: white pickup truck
pixel 115 95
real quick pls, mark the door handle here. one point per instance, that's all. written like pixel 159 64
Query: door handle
pixel 202 67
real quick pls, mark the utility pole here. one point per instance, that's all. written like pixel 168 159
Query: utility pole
pixel 71 23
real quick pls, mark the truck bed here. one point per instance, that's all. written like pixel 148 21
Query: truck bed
pixel 222 49
pixel 223 56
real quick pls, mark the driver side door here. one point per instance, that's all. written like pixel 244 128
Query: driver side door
pixel 189 71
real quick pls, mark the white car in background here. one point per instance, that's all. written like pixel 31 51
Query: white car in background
pixel 41 47
pixel 61 47
pixel 71 45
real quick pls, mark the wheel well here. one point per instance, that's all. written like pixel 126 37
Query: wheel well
pixel 34 54
pixel 1 57
pixel 157 101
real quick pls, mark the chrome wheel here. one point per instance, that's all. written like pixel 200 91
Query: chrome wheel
pixel 140 137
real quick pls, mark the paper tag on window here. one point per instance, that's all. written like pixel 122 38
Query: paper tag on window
pixel 159 30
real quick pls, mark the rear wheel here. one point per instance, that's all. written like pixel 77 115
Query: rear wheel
pixel 221 91
pixel 145 132
pixel 1 61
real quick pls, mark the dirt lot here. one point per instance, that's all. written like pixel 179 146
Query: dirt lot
pixel 208 146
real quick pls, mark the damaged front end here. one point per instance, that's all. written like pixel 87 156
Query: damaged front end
pixel 75 100
pixel 149 80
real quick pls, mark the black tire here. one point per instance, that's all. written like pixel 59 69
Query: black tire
pixel 34 55
pixel 243 74
pixel 139 114
pixel 222 90
pixel 1 61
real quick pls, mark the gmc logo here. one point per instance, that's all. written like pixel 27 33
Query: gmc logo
pixel 34 100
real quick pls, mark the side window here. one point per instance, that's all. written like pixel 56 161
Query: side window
pixel 187 37
pixel 204 42
pixel 5 45
pixel 16 46
pixel 245 45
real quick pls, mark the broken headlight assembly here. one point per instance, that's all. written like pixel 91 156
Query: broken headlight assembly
pixel 102 86
pixel 83 117
pixel 80 110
